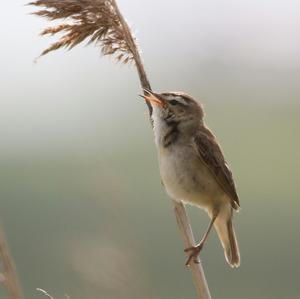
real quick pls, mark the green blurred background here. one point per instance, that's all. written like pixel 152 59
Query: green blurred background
pixel 81 200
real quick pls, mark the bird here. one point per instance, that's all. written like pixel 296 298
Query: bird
pixel 193 168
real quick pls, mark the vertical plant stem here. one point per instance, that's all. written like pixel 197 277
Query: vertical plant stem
pixel 145 83
pixel 180 211
pixel 11 281
pixel 189 241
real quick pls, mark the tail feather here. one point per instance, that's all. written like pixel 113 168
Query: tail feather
pixel 234 255
pixel 228 240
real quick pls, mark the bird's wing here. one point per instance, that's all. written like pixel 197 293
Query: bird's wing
pixel 210 153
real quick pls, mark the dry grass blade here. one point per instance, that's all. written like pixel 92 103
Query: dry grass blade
pixel 95 21
pixel 10 279
pixel 45 293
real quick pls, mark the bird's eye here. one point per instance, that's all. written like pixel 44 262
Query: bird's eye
pixel 173 102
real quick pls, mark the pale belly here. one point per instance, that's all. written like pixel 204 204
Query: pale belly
pixel 186 178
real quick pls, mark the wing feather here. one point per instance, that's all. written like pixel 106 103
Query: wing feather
pixel 211 154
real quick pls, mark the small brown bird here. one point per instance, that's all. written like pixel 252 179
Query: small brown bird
pixel 193 168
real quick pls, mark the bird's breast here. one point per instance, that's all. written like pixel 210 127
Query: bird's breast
pixel 186 177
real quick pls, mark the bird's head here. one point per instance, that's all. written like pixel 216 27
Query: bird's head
pixel 174 106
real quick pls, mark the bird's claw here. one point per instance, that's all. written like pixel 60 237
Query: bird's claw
pixel 193 252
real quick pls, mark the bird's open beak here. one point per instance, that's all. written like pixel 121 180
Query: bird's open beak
pixel 154 98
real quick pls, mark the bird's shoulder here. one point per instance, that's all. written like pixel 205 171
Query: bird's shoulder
pixel 209 151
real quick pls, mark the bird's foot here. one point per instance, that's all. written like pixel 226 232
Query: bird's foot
pixel 193 252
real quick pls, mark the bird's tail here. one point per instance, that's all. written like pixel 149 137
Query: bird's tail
pixel 225 230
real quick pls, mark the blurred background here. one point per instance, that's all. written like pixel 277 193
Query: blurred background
pixel 81 201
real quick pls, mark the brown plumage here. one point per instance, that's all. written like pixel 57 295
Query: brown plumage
pixel 193 168
pixel 210 152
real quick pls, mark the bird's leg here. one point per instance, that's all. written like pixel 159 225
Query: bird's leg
pixel 195 250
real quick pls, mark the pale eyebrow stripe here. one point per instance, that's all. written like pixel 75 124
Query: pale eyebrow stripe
pixel 181 100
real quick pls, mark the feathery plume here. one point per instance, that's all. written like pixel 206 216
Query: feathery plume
pixel 97 21
pixel 93 20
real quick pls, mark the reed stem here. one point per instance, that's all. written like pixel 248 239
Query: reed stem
pixel 182 218
pixel 11 281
